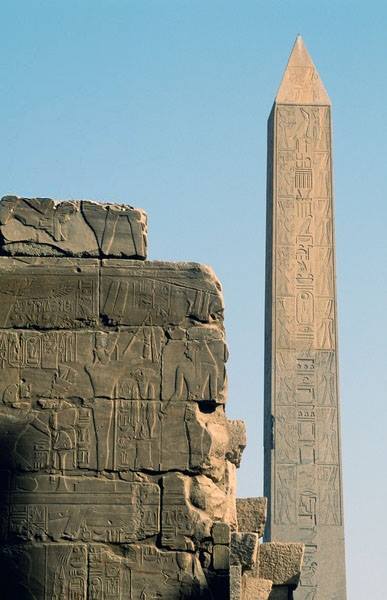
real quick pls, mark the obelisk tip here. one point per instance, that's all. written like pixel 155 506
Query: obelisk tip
pixel 301 83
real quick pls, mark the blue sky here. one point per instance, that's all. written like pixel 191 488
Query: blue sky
pixel 163 104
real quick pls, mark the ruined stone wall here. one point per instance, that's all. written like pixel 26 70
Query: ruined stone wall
pixel 117 460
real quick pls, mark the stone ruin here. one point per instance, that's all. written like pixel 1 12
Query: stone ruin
pixel 118 463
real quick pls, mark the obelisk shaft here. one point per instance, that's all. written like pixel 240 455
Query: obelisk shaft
pixel 302 425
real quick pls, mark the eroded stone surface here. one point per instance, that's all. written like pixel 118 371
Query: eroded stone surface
pixel 244 549
pixel 44 227
pixel 259 589
pixel 251 514
pixel 281 563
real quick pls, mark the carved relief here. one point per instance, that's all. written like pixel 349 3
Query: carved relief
pixel 105 403
pixel 285 175
pixel 328 439
pixel 325 326
pixel 121 435
pixel 193 367
pixel 327 384
pixel 159 293
pixel 285 378
pixel 309 575
pixel 330 505
pixel 324 280
pixel 285 266
pixel 31 226
pixel 285 495
pixel 285 322
pixel 84 509
pixel 286 435
pixel 64 296
pixel 94 572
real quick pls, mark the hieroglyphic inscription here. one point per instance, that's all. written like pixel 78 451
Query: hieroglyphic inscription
pixel 93 572
pixel 47 293
pixel 66 507
pixel 158 293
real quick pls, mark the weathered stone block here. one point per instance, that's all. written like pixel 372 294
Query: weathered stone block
pixel 44 227
pixel 281 563
pixel 65 507
pixel 193 367
pixel 107 435
pixel 49 293
pixel 238 441
pixel 257 588
pixel 190 505
pixel 235 574
pixel 251 513
pixel 159 293
pixel 85 571
pixel 244 549
pixel 221 557
pixel 221 533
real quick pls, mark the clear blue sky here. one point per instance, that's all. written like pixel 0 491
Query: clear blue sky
pixel 163 104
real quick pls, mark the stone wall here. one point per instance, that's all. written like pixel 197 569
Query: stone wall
pixel 117 462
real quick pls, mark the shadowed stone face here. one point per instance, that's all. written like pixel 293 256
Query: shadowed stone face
pixel 302 429
pixel 117 462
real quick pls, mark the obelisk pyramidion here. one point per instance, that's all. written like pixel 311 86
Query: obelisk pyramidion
pixel 302 425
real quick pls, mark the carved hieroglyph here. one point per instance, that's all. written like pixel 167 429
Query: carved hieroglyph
pixel 117 458
pixel 302 428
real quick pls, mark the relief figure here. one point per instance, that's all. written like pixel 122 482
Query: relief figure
pixel 285 495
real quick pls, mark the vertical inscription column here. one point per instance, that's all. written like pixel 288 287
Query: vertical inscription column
pixel 302 453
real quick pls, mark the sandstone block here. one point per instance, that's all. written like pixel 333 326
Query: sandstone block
pixel 238 441
pixel 44 227
pixel 235 574
pixel 257 588
pixel 244 549
pixel 159 293
pixel 221 557
pixel 251 514
pixel 281 563
pixel 65 507
pixel 190 505
pixel 49 293
pixel 193 367
pixel 221 533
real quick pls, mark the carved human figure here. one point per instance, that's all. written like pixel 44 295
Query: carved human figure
pixel 284 324
pixel 285 496
pixel 285 389
pixel 286 122
pixel 196 374
pixel 286 441
pixel 63 444
pixel 325 329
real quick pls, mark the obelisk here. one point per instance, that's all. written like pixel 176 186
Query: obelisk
pixel 302 425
